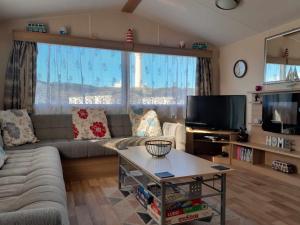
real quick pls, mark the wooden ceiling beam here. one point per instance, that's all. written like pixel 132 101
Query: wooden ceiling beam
pixel 130 6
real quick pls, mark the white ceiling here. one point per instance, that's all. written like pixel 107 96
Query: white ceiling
pixel 196 17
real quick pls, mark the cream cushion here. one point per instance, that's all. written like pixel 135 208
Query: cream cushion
pixel 177 131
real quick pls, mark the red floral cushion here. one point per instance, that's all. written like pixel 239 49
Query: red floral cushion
pixel 89 124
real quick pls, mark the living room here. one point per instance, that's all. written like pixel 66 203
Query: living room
pixel 149 112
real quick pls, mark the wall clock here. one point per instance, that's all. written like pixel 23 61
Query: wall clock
pixel 240 68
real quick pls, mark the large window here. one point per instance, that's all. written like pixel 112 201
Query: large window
pixel 68 76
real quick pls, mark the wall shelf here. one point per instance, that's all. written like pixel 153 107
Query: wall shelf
pixel 107 44
pixel 297 90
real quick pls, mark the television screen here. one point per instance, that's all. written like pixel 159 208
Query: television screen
pixel 281 113
pixel 224 112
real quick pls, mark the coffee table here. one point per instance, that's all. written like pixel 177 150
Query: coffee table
pixel 190 172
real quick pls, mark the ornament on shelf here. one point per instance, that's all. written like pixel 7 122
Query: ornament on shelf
pixel 181 44
pixel 129 36
pixel 279 142
pixel 284 167
pixel 292 74
pixel 243 135
pixel 258 88
pixel 37 27
pixel 286 53
pixel 200 45
pixel 63 30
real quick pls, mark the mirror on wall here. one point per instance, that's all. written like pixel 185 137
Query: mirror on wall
pixel 282 57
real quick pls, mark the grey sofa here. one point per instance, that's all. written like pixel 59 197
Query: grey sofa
pixel 32 190
pixel 56 130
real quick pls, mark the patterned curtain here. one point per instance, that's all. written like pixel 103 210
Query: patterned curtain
pixel 204 76
pixel 21 77
pixel 162 82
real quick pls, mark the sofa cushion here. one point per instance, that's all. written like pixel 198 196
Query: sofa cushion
pixel 17 127
pixel 136 115
pixel 32 185
pixel 51 127
pixel 149 125
pixel 1 140
pixel 145 122
pixel 89 124
pixel 3 157
pixel 70 148
pixel 119 125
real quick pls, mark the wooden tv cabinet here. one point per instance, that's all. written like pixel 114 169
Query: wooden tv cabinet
pixel 259 162
pixel 198 143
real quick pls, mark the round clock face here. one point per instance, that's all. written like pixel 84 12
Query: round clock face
pixel 240 68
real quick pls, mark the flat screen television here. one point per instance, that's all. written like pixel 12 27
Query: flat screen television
pixel 281 113
pixel 222 112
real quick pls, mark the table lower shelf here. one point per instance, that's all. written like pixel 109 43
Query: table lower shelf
pixel 178 201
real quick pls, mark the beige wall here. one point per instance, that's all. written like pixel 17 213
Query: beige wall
pixel 251 50
pixel 103 25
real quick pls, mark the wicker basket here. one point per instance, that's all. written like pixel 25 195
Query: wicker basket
pixel 158 148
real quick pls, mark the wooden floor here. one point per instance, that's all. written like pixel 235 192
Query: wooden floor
pixel 253 198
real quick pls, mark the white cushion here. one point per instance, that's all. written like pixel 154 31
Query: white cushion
pixel 177 131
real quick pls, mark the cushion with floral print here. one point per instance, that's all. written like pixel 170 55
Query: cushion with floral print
pixel 17 127
pixel 145 123
pixel 89 124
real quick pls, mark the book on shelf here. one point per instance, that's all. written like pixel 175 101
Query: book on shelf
pixel 181 218
pixel 143 196
pixel 179 208
pixel 244 154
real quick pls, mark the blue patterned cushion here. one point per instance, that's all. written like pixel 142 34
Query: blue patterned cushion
pixel 146 124
pixel 136 115
pixel 3 157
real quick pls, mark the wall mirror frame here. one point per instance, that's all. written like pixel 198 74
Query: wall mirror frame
pixel 282 57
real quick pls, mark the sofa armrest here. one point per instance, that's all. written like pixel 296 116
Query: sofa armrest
pixel 177 131
pixel 43 216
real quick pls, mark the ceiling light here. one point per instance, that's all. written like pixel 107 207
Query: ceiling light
pixel 227 4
